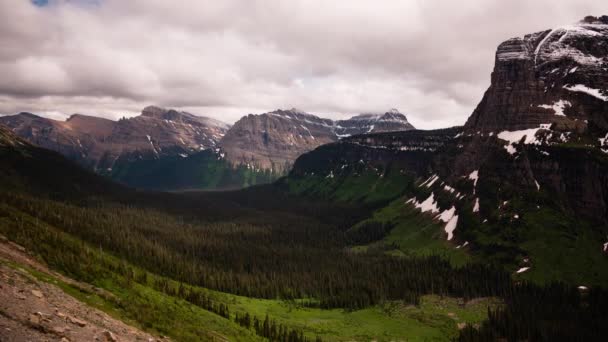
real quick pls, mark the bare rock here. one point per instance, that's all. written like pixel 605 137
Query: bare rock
pixel 274 140
pixel 108 336
pixel 553 76
pixel 76 321
pixel 99 143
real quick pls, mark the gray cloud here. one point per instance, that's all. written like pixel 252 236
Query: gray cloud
pixel 431 59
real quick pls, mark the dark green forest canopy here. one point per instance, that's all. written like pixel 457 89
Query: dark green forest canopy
pixel 265 243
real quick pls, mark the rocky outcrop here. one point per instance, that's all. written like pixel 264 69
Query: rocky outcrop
pixel 99 143
pixel 35 310
pixel 555 76
pixel 273 141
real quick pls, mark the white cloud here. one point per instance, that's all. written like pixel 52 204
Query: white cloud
pixel 431 59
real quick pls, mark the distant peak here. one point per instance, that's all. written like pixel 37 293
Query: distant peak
pixel 153 111
pixel 28 114
pixel 393 111
pixel 602 20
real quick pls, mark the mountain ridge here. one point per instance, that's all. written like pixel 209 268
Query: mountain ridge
pixel 275 139
pixel 100 143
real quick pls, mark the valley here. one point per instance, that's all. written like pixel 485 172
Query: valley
pixel 285 226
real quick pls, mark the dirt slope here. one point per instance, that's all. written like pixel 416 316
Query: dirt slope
pixel 33 310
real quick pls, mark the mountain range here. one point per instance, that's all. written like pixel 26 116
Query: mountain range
pixel 375 224
pixel 170 149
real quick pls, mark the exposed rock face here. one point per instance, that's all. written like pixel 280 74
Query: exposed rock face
pixel 555 76
pixel 99 143
pixel 274 140
pixel 390 121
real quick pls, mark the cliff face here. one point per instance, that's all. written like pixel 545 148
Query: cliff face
pixel 539 136
pixel 273 141
pixel 99 143
pixel 556 76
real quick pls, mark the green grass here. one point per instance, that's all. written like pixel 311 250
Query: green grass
pixel 558 247
pixel 365 186
pixel 434 319
pixel 414 234
pixel 140 305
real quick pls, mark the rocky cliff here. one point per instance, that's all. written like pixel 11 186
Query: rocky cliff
pixel 273 141
pixel 554 76
pixel 524 184
pixel 100 143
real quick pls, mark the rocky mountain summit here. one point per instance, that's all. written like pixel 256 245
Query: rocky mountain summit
pixel 557 76
pixel 274 140
pixel 100 143
pixel 524 182
pixel 390 121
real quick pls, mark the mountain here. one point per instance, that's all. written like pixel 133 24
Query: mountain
pixel 390 121
pixel 101 144
pixel 272 141
pixel 47 173
pixel 520 185
pixel 165 149
pixel 554 76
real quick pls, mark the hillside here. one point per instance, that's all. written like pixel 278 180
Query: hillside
pixel 165 149
pixel 202 266
pixel 38 304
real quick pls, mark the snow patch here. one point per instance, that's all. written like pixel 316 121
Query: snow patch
pixel 522 270
pixel 430 181
pixel 537 185
pixel 451 226
pixel 447 215
pixel 510 149
pixel 558 107
pixel 463 245
pixel 581 88
pixel 516 136
pixel 603 142
pixel 540 45
pixel 476 206
pixel 526 136
pixel 428 205
pixel 474 176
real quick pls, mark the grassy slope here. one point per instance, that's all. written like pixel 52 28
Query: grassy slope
pixel 157 312
pixel 551 237
pixel 414 234
pixel 435 319
pixel 364 186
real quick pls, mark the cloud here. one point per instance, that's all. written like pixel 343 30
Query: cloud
pixel 431 59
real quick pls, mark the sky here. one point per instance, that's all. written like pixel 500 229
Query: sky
pixel 224 59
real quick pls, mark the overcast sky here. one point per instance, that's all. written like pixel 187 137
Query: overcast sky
pixel 430 59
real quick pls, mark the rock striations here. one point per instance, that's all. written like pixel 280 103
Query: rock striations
pixel 99 143
pixel 274 140
pixel 555 76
